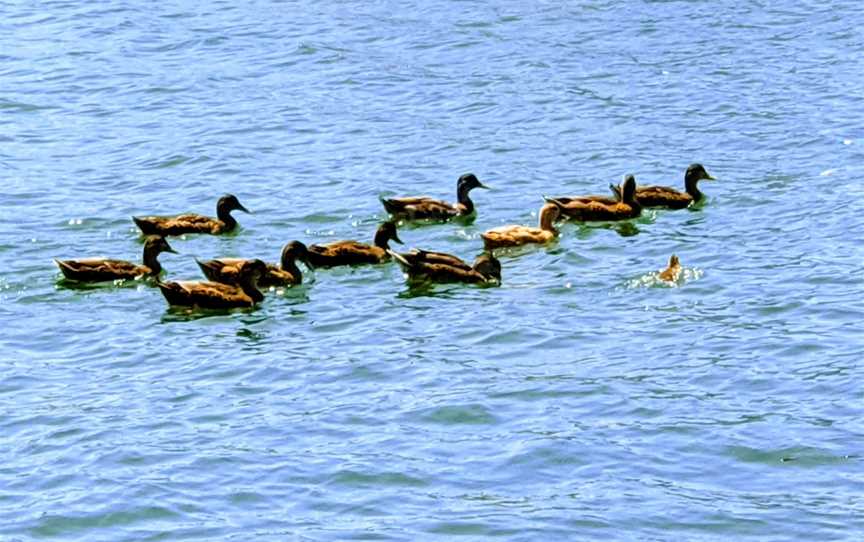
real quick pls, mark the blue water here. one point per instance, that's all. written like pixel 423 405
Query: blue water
pixel 580 400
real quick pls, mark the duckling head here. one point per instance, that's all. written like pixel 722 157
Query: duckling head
pixel 673 261
pixel 489 266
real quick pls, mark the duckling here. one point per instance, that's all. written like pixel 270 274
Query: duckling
pixel 515 235
pixel 216 295
pixel 628 207
pixel 354 252
pixel 101 270
pixel 673 272
pixel 194 223
pixel 441 267
pixel 664 196
pixel 424 207
pixel 227 270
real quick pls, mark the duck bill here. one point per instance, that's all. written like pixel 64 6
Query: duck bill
pixel 397 240
pixel 481 185
pixel 708 177
pixel 171 250
pixel 244 209
pixel 308 264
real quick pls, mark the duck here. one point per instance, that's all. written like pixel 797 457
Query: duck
pixel 227 270
pixel 218 295
pixel 194 223
pixel 516 235
pixel 605 200
pixel 441 267
pixel 355 252
pixel 670 198
pixel 424 207
pixel 673 272
pixel 103 270
pixel 628 207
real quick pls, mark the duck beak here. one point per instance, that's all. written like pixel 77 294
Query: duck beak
pixel 481 185
pixel 171 250
pixel 708 177
pixel 306 261
pixel 244 209
pixel 396 238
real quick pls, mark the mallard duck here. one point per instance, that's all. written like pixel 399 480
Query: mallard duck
pixel 664 196
pixel 673 272
pixel 606 200
pixel 354 252
pixel 625 209
pixel 441 267
pixel 217 295
pixel 227 270
pixel 102 270
pixel 424 207
pixel 192 223
pixel 515 235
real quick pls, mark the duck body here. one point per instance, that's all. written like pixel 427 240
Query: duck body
pixel 193 223
pixel 595 211
pixel 354 252
pixel 105 270
pixel 670 198
pixel 517 235
pixel 441 267
pixel 217 295
pixel 228 270
pixel 428 208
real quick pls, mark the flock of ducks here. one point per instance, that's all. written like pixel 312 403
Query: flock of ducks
pixel 235 282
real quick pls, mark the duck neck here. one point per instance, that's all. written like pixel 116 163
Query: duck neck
pixel 463 198
pixel 691 185
pixel 250 288
pixel 223 213
pixel 151 260
pixel 289 264
pixel 382 239
pixel 547 218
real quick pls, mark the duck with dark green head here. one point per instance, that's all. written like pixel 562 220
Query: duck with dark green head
pixel 670 198
pixel 425 207
pixel 104 270
pixel 193 223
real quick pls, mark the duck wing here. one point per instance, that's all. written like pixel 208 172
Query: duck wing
pixel 178 225
pixel 422 207
pixel 213 295
pixel 100 270
pixel 662 196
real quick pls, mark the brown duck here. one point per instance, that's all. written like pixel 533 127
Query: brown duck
pixel 664 196
pixel 673 272
pixel 515 235
pixel 102 270
pixel 217 295
pixel 193 223
pixel 355 252
pixel 227 270
pixel 628 207
pixel 424 207
pixel 441 267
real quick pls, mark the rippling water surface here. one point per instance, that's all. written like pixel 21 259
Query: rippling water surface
pixel 582 399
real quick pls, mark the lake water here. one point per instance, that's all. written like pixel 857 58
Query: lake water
pixel 580 400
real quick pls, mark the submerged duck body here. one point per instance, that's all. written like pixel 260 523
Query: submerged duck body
pixel 193 223
pixel 105 270
pixel 424 207
pixel 442 267
pixel 594 211
pixel 355 252
pixel 517 235
pixel 228 270
pixel 665 196
pixel 217 295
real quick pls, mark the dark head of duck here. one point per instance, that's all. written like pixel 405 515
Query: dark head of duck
pixel 694 174
pixel 293 251
pixel 224 206
pixel 386 232
pixel 488 265
pixel 250 272
pixel 464 185
pixel 153 246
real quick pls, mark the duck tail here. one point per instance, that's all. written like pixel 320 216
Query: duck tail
pixel 67 270
pixel 553 201
pixel 389 205
pixel 144 225
pixel 172 292
pixel 209 269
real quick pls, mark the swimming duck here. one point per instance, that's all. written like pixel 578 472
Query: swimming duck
pixel 424 207
pixel 101 270
pixel 673 272
pixel 441 267
pixel 606 200
pixel 664 196
pixel 628 207
pixel 193 223
pixel 515 235
pixel 217 295
pixel 227 270
pixel 354 252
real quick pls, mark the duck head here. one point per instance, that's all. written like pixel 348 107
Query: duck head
pixel 697 172
pixel 156 244
pixel 488 265
pixel 469 182
pixel 386 233
pixel 228 203
pixel 673 261
pixel 295 250
pixel 549 213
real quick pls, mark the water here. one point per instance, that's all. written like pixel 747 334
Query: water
pixel 580 400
